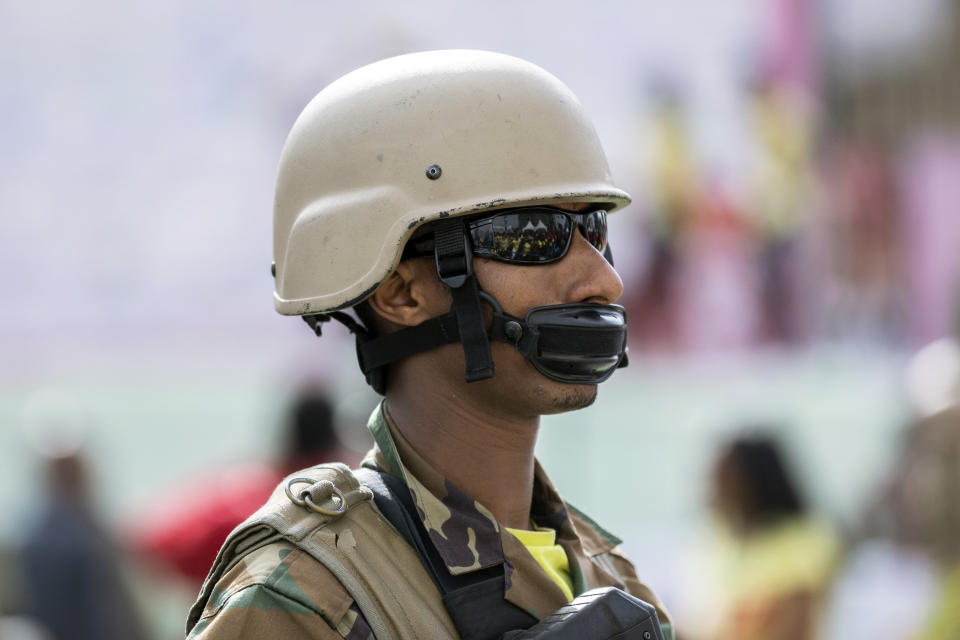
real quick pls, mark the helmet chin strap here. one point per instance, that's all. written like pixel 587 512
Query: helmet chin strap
pixel 454 259
pixel 576 343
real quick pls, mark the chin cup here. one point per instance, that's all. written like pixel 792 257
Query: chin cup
pixel 577 343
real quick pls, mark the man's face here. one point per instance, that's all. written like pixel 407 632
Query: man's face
pixel 583 275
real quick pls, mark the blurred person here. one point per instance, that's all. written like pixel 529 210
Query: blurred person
pixel 7 585
pixel 674 199
pixel 70 572
pixel 773 560
pixel 927 501
pixel 717 282
pixel 899 568
pixel 864 229
pixel 924 495
pixel 408 190
pixel 885 586
pixel 14 625
pixel 184 530
pixel 780 200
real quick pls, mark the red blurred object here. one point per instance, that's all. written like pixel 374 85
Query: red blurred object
pixel 185 531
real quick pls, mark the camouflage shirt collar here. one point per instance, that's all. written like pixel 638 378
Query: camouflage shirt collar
pixel 465 533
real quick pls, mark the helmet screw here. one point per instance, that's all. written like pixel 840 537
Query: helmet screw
pixel 646 635
pixel 434 171
pixel 513 330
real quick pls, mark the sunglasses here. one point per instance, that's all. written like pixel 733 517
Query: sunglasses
pixel 531 235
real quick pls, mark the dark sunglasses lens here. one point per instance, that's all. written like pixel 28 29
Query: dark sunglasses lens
pixel 594 226
pixel 530 237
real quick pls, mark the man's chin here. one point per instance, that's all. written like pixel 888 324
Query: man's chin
pixel 570 397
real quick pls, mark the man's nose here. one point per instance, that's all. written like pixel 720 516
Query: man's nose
pixel 592 278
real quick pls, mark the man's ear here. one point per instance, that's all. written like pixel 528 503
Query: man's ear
pixel 411 294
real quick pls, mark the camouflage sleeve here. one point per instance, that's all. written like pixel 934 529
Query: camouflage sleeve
pixel 280 591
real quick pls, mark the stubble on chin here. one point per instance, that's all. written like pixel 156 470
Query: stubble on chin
pixel 567 397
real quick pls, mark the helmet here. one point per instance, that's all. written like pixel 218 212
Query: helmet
pixel 415 139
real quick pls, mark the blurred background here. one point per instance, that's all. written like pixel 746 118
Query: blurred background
pixel 783 446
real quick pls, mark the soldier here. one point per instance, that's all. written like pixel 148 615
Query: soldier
pixel 404 190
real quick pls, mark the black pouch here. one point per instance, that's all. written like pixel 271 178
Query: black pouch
pixel 599 614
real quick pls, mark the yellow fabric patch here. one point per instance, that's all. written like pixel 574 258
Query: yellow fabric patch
pixel 796 555
pixel 542 545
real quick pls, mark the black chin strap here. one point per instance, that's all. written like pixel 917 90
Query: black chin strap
pixel 465 323
pixel 379 352
pixel 454 260
pixel 538 343
pixel 375 376
pixel 374 354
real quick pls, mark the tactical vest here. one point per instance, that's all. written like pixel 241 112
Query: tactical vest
pixel 329 514
pixel 375 564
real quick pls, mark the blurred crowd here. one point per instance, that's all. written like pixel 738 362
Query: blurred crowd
pixel 71 576
pixel 815 241
pixel 838 224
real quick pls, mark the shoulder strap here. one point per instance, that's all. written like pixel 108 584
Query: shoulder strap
pixel 393 500
pixel 280 518
pixel 474 600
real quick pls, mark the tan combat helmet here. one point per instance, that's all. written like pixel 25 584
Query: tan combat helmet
pixel 429 138
pixel 413 139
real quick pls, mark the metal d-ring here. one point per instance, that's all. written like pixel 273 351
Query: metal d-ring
pixel 512 329
pixel 303 499
pixel 491 301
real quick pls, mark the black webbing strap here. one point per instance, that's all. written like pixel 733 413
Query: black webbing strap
pixel 395 346
pixel 474 600
pixel 392 497
pixel 454 260
pixel 473 333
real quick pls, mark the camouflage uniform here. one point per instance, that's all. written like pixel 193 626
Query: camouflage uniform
pixel 280 591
